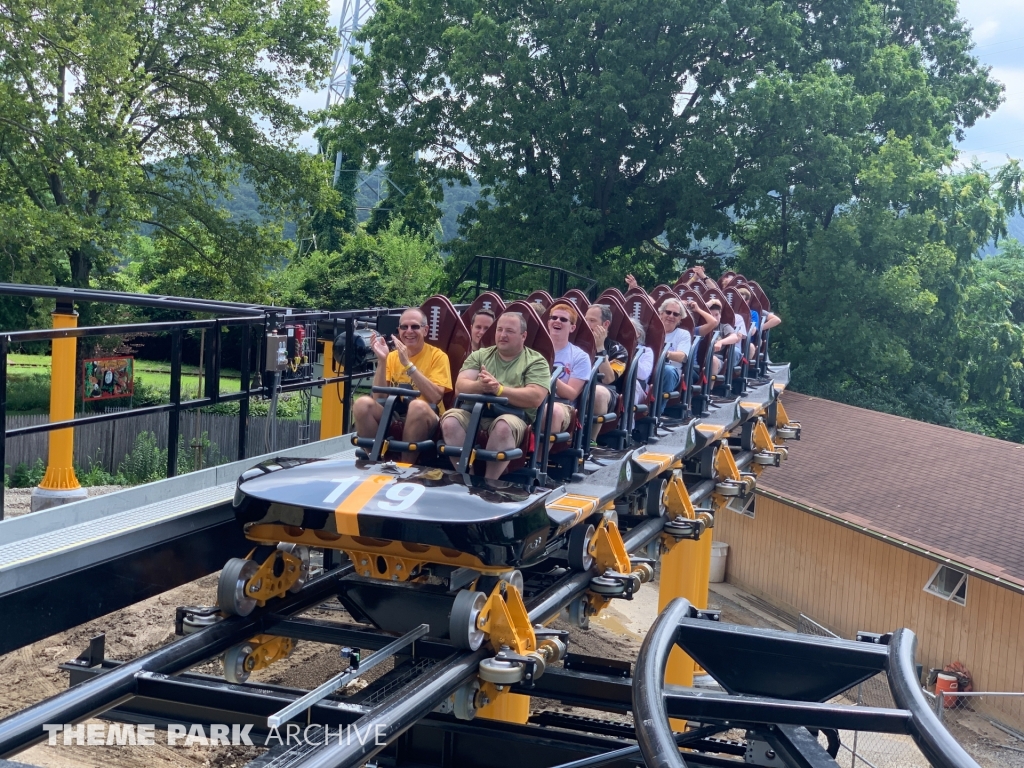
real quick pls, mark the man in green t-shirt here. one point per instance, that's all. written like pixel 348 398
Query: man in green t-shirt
pixel 508 369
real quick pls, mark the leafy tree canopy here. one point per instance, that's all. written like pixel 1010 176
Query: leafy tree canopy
pixel 594 126
pixel 394 267
pixel 129 113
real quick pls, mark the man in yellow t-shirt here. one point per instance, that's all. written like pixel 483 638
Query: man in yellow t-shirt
pixel 412 363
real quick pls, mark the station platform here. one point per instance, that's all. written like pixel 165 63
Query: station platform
pixel 66 565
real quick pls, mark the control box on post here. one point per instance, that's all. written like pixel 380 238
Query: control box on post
pixel 277 352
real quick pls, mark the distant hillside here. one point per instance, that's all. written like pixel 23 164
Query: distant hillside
pixel 1014 229
pixel 372 187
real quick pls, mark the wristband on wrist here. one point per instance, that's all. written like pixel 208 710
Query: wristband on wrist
pixel 501 388
pixel 410 369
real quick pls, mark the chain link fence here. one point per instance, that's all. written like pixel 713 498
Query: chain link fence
pixel 968 717
pixel 983 723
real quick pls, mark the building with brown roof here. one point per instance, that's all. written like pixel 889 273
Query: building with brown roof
pixel 879 522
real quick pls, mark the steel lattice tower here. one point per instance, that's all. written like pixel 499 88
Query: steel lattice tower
pixel 354 14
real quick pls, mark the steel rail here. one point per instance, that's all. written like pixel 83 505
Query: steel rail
pixel 326 689
pixel 655 739
pixel 136 299
pixel 25 728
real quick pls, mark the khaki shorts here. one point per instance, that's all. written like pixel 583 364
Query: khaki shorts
pixel 517 425
pixel 562 417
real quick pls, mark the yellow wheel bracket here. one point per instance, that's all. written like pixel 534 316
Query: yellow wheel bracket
pixel 762 439
pixel 725 464
pixel 506 622
pixel 266 649
pixel 608 549
pixel 274 578
pixel 677 499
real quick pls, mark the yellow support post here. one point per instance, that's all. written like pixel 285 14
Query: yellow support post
pixel 331 407
pixel 59 485
pixel 680 574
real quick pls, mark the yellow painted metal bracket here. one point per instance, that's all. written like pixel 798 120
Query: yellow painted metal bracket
pixel 274 577
pixel 608 549
pixel 266 649
pixel 506 622
pixel 386 567
pixel 762 439
pixel 725 464
pixel 677 499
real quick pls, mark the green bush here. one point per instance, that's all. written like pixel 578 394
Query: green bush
pixel 149 394
pixel 28 394
pixel 287 408
pixel 95 474
pixel 25 476
pixel 187 455
pixel 145 462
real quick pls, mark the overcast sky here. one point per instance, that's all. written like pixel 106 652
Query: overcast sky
pixel 999 40
pixel 999 37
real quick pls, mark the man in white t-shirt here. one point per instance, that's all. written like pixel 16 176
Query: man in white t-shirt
pixel 562 319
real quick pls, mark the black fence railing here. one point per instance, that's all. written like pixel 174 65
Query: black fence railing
pixel 491 273
pixel 341 328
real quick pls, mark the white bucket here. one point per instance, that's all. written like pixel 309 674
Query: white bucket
pixel 719 554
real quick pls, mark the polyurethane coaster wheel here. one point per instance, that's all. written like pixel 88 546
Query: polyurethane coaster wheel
pixel 464 700
pixel 579 542
pixel 501 672
pixel 231 595
pixel 462 627
pixel 514 579
pixel 728 489
pixel 607 587
pixel 655 506
pixel 234 663
pixel 577 611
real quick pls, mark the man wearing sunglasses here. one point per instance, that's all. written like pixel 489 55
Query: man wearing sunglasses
pixel 562 319
pixel 414 364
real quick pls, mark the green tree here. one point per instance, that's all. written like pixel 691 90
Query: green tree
pixel 594 126
pixel 122 114
pixel 395 267
pixel 888 307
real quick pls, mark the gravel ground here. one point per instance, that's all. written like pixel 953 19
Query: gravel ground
pixel 17 500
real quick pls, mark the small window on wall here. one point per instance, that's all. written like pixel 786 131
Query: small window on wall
pixel 949 584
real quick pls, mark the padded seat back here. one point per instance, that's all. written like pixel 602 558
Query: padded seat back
pixel 536 332
pixel 578 298
pixel 766 306
pixel 640 306
pixel 740 308
pixel 542 296
pixel 687 275
pixel 728 314
pixel 486 300
pixel 614 293
pixel 447 332
pixel 660 293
